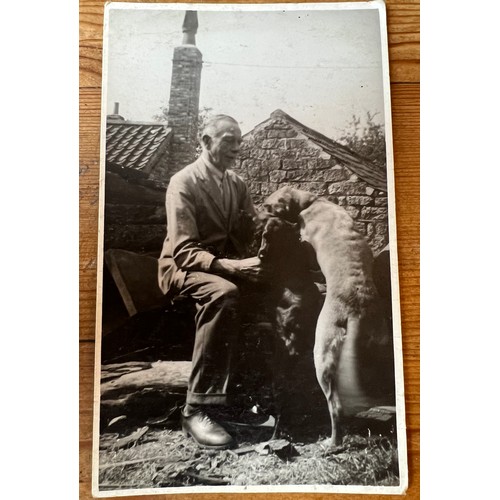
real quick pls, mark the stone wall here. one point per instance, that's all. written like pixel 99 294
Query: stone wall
pixel 275 154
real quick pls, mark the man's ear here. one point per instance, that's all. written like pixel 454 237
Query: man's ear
pixel 206 140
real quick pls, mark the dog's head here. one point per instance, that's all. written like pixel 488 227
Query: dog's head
pixel 287 203
pixel 278 238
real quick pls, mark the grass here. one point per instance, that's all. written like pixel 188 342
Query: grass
pixel 165 458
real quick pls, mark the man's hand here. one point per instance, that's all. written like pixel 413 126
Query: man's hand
pixel 249 269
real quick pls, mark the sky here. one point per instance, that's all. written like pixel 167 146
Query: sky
pixel 319 66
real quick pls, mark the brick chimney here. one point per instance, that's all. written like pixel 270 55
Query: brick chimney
pixel 183 106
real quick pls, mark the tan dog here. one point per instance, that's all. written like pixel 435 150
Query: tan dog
pixel 353 346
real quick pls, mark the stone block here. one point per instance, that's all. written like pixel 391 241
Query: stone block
pixel 257 171
pixel 281 134
pixel 273 163
pixel 360 227
pixel 319 188
pixel 378 235
pixel 277 124
pixel 293 164
pixel 381 201
pixel 323 164
pixel 333 199
pixel 290 154
pixel 254 187
pixel 352 211
pixel 277 175
pixel 347 188
pixel 330 175
pixel 359 200
pixel 312 163
pixel 241 173
pixel 268 188
pixel 247 148
pixel 261 135
pixel 269 143
pixel 262 154
pixel 295 144
pixel 297 175
pixel 375 213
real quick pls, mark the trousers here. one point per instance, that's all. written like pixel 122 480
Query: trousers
pixel 220 304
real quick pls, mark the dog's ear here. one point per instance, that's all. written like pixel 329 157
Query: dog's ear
pixel 299 200
pixel 287 202
pixel 304 199
pixel 278 203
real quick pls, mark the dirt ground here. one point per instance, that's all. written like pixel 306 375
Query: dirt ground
pixel 164 457
pixel 144 453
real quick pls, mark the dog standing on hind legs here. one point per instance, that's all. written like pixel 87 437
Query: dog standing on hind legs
pixel 294 301
pixel 353 353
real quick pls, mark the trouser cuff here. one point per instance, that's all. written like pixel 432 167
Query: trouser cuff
pixel 194 398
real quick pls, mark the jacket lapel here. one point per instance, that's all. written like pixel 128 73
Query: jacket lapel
pixel 210 188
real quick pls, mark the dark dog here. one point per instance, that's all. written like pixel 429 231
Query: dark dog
pixel 293 290
pixel 294 301
pixel 353 345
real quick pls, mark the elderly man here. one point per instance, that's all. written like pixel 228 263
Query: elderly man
pixel 207 206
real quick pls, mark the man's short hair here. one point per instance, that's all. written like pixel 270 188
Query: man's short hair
pixel 210 127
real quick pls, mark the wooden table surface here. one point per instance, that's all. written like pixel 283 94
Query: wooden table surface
pixel 404 49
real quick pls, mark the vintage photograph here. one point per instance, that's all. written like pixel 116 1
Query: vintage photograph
pixel 248 333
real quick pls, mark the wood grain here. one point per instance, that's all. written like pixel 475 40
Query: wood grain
pixel 403 28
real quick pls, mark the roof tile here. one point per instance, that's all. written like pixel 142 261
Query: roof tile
pixel 133 144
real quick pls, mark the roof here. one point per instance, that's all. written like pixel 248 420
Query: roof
pixel 135 145
pixel 362 167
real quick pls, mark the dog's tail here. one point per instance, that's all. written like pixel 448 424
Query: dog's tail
pixel 365 376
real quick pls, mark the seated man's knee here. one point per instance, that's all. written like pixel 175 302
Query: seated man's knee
pixel 227 291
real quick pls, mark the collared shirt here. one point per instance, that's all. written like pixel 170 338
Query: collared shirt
pixel 221 181
pixel 219 176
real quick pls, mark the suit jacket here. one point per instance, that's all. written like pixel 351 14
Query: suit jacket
pixel 198 229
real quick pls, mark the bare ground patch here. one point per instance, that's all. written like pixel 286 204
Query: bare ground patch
pixel 165 458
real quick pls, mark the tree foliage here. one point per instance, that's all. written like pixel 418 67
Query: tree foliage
pixel 203 116
pixel 367 139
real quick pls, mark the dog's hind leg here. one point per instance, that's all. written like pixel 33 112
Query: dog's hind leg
pixel 330 334
pixel 328 386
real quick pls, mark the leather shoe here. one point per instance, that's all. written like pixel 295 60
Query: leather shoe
pixel 241 417
pixel 205 431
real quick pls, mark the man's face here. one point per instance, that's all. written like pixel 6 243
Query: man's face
pixel 224 146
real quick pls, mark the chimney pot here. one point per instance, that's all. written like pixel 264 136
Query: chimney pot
pixel 189 28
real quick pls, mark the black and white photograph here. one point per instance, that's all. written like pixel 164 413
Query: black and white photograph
pixel 248 329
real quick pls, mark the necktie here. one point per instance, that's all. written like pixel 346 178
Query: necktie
pixel 226 195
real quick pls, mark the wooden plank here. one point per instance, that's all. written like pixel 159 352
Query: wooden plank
pixel 136 279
